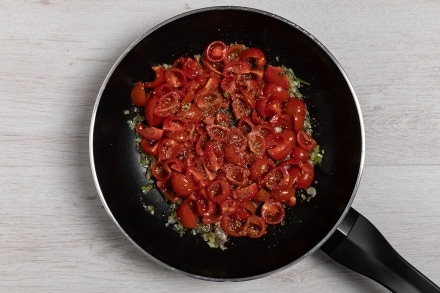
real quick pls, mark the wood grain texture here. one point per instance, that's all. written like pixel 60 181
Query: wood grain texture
pixel 56 236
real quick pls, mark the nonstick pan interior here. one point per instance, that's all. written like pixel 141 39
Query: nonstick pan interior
pixel 338 129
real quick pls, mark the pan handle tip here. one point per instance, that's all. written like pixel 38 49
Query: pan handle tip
pixel 358 245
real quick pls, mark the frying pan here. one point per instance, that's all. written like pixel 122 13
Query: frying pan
pixel 327 222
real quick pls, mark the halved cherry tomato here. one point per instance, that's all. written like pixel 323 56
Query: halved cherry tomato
pixel 167 105
pixel 182 185
pixel 237 175
pixel 191 112
pixel 300 153
pixel 276 92
pixel 138 96
pixel 151 133
pixel 217 132
pixel 272 212
pixel 278 146
pixel 186 216
pixel 160 171
pixel 258 168
pixel 257 143
pixel 175 123
pixel 205 207
pixel 149 147
pixel 283 194
pixel 276 75
pixel 213 155
pixel 167 192
pixel 168 148
pixel 306 176
pixel 218 191
pixel 245 193
pixel 255 227
pixel 216 51
pixel 276 178
pixel 232 227
pixel 282 121
pixel 262 195
pixel 305 140
pixel 159 78
pixel 294 107
pixel 233 53
pixel 175 77
pixel 236 67
pixel 254 55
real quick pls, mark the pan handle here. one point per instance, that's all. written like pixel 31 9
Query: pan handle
pixel 358 245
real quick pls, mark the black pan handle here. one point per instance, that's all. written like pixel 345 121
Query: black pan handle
pixel 359 246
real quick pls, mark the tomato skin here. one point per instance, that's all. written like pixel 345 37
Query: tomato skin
pixel 236 67
pixel 255 227
pixel 233 53
pixel 262 195
pixel 150 105
pixel 138 96
pixel 278 146
pixel 186 216
pixel 276 75
pixel 160 171
pixel 259 168
pixel 272 212
pixel 300 153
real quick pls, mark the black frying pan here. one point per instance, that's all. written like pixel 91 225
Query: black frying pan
pixel 323 222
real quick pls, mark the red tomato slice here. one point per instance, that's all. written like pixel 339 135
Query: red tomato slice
pixel 175 123
pixel 206 207
pixel 301 154
pixel 237 139
pixel 186 216
pixel 138 96
pixel 239 108
pixel 276 75
pixel 150 105
pixel 262 195
pixel 272 212
pixel 255 227
pixel 192 68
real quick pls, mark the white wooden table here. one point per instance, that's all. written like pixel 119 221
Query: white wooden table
pixel 54 55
